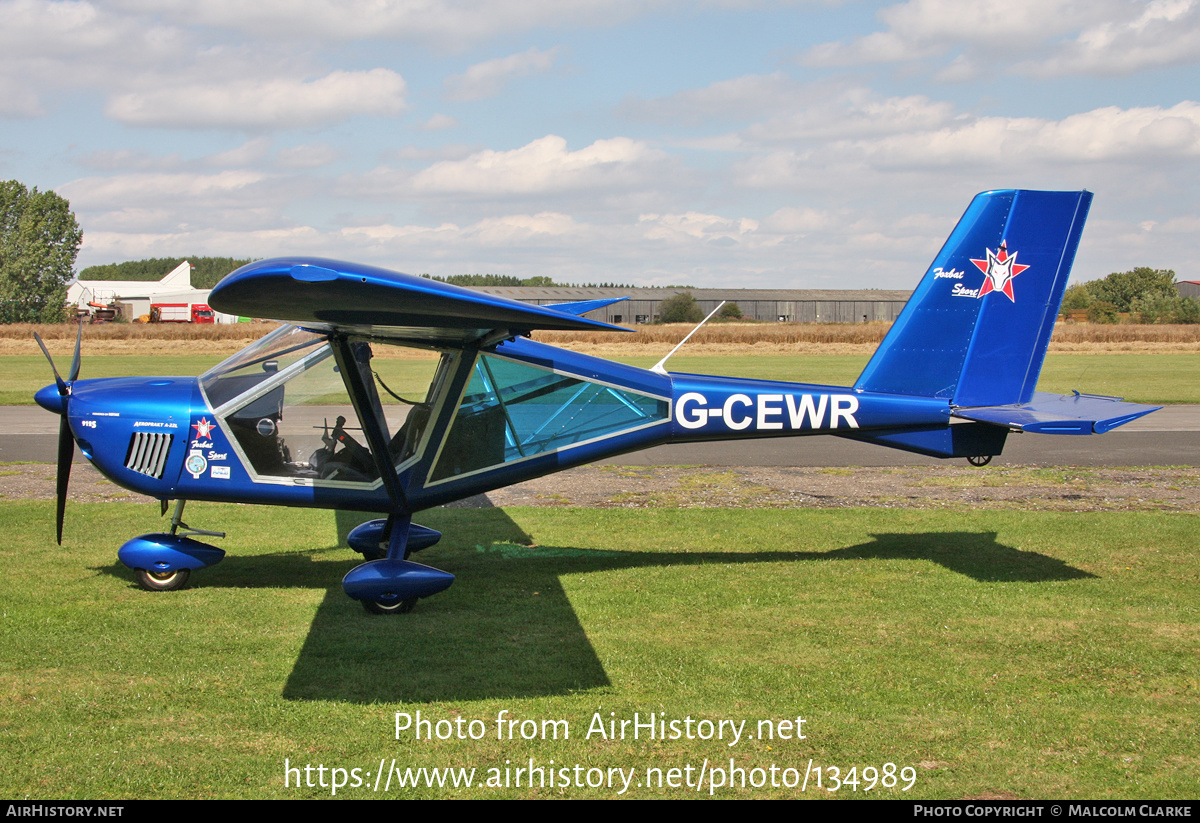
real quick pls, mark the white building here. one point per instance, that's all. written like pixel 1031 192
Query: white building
pixel 176 287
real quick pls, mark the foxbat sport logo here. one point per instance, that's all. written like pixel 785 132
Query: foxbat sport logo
pixel 998 267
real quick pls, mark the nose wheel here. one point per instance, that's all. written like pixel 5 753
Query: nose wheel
pixel 162 581
pixel 398 607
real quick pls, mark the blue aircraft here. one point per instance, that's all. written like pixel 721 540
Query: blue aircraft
pixel 489 407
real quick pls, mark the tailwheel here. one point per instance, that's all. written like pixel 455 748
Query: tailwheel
pixel 162 581
pixel 979 459
pixel 395 607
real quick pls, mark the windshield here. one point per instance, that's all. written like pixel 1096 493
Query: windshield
pixel 257 362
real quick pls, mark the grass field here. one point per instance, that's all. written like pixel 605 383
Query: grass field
pixel 1143 378
pixel 995 654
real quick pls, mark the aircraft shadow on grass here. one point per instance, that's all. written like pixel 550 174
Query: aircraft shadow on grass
pixel 514 632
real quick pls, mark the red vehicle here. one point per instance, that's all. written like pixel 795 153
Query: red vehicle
pixel 181 313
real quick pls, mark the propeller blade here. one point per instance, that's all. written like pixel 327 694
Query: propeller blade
pixel 66 441
pixel 62 387
pixel 74 373
pixel 66 453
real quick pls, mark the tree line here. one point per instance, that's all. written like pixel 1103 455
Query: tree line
pixel 206 271
pixel 1144 295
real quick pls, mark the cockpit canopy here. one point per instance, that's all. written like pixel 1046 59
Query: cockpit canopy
pixel 285 403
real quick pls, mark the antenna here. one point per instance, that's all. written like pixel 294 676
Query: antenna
pixel 660 367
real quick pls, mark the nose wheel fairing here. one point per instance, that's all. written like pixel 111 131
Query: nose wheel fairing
pixel 165 553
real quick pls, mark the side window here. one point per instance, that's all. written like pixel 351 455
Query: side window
pixel 407 382
pixel 511 410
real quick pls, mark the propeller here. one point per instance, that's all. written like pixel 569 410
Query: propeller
pixel 66 441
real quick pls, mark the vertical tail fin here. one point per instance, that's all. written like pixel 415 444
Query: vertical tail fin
pixel 976 329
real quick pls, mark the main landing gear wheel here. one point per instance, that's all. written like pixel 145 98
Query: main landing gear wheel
pixel 162 581
pixel 399 607
pixel 979 460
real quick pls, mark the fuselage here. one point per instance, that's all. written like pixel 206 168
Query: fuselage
pixel 488 419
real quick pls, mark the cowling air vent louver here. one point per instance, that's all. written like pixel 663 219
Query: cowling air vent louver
pixel 148 453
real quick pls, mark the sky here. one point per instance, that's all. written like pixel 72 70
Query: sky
pixel 715 143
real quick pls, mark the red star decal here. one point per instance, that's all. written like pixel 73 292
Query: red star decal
pixel 203 428
pixel 999 269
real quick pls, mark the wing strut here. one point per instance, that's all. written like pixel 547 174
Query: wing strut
pixel 371 419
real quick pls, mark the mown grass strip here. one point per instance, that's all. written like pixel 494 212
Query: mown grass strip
pixel 997 653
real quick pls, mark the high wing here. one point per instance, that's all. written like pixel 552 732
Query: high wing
pixel 328 295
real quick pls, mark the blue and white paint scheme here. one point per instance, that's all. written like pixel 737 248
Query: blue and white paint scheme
pixel 953 377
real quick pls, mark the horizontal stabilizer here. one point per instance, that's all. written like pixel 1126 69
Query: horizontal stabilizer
pixel 1060 414
pixel 580 307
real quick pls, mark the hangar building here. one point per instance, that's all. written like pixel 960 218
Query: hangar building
pixel 774 305
pixel 1188 288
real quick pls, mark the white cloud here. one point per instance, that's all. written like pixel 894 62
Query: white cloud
pixel 853 113
pixel 748 95
pixel 17 99
pixel 1107 147
pixel 156 74
pixel 960 70
pixel 693 225
pixel 92 192
pixel 545 165
pixel 439 122
pixel 997 23
pixel 492 232
pixel 452 24
pixel 1106 135
pixel 250 153
pixel 489 77
pixel 55 46
pixel 309 156
pixel 995 29
pixel 46 31
pixel 245 200
pixel 264 104
pixel 801 220
pixel 125 160
pixel 1166 32
pixel 107 246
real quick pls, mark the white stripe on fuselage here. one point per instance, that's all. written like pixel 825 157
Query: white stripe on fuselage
pixel 769 412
